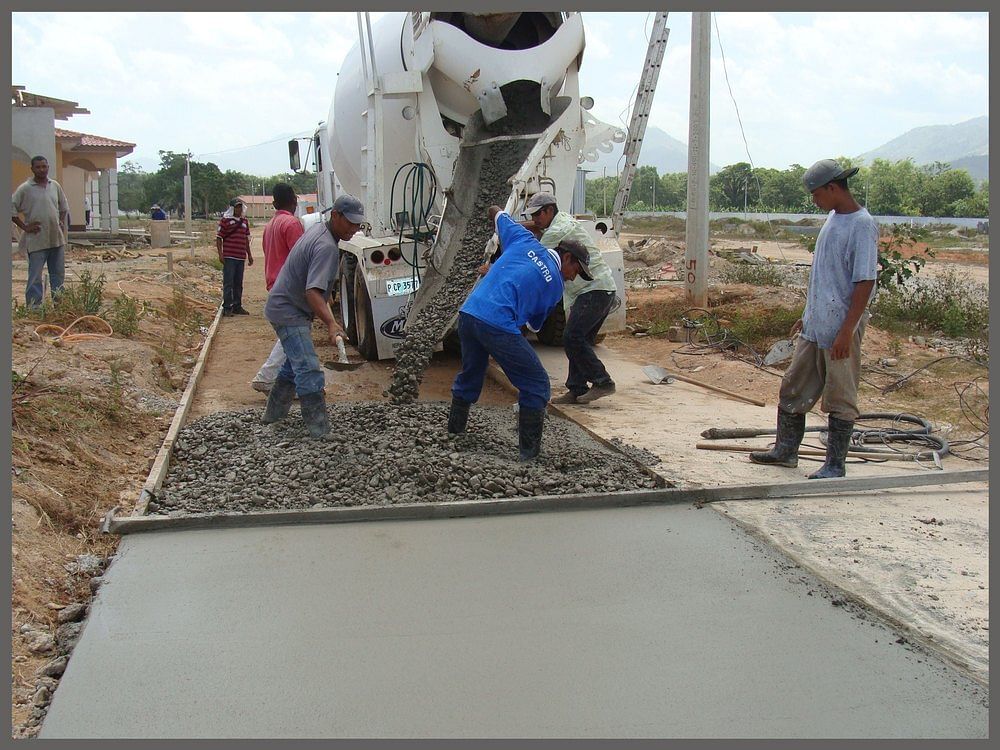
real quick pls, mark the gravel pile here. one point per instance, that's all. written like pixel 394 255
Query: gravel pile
pixel 501 161
pixel 379 454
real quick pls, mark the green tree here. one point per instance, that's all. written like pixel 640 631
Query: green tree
pixel 132 188
pixel 977 205
pixel 943 188
pixel 209 191
pixel 732 187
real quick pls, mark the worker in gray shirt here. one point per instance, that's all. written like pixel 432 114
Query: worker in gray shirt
pixel 45 227
pixel 300 293
pixel 827 359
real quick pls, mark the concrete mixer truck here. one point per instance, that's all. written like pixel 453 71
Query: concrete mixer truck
pixel 424 106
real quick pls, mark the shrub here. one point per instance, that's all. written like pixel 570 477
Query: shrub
pixel 124 315
pixel 756 274
pixel 950 303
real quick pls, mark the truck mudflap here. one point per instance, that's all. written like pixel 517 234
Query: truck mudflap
pixel 485 165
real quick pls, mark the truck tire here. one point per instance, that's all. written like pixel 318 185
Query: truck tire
pixel 551 333
pixel 348 264
pixel 364 319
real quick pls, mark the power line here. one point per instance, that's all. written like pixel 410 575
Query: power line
pixel 753 169
pixel 255 145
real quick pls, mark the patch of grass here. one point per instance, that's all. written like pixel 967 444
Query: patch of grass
pixel 215 263
pixel 76 299
pixel 762 327
pixel 756 274
pixel 950 303
pixel 666 225
pixel 187 317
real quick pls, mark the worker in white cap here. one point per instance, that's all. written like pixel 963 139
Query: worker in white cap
pixel 827 359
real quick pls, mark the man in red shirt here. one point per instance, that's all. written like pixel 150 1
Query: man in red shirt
pixel 280 234
pixel 232 241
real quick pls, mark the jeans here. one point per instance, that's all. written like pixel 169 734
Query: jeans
pixel 54 257
pixel 511 351
pixel 302 365
pixel 272 366
pixel 232 284
pixel 584 320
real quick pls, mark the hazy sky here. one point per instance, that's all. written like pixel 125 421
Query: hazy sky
pixel 808 85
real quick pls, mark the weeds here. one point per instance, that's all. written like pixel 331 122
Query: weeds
pixel 757 274
pixel 188 318
pixel 124 315
pixel 763 327
pixel 950 303
pixel 893 268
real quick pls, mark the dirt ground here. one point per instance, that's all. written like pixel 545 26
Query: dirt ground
pixel 90 417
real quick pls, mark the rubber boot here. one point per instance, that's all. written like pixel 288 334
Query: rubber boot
pixel 791 428
pixel 458 416
pixel 838 441
pixel 279 401
pixel 529 432
pixel 314 414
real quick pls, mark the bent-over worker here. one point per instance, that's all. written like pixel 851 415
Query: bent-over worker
pixel 521 289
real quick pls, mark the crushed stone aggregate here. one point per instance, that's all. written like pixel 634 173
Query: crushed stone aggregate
pixel 379 454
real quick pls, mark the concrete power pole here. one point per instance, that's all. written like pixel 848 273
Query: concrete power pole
pixel 696 234
pixel 187 200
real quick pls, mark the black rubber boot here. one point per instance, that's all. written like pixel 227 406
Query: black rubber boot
pixel 314 414
pixel 529 432
pixel 279 401
pixel 838 441
pixel 458 416
pixel 791 428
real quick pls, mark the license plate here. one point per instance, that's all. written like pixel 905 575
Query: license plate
pixel 397 287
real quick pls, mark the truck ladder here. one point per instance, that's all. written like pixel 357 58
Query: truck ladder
pixel 640 114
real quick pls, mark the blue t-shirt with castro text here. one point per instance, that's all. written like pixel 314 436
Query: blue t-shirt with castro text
pixel 522 286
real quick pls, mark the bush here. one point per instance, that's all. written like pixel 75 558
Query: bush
pixel 124 315
pixel 949 303
pixel 74 300
pixel 762 328
pixel 756 274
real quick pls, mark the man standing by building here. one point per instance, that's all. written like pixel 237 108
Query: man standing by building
pixel 587 304
pixel 45 226
pixel 280 235
pixel 827 359
pixel 523 286
pixel 232 241
pixel 300 293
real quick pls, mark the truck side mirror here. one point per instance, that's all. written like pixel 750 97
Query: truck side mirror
pixel 293 155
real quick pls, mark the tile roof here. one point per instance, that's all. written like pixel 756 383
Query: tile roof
pixel 92 141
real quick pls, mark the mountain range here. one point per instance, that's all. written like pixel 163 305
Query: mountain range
pixel 965 145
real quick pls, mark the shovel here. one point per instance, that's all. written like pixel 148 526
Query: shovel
pixel 342 364
pixel 659 375
pixel 781 351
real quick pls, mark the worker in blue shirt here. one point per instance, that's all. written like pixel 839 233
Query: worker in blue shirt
pixel 522 287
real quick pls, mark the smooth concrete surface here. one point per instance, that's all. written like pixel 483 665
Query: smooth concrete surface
pixel 636 622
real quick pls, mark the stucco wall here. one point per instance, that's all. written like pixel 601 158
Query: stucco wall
pixel 73 184
pixel 33 131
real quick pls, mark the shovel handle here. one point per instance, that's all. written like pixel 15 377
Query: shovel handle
pixel 741 397
pixel 341 350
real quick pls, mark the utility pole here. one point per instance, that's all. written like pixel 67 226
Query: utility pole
pixel 187 200
pixel 604 183
pixel 696 233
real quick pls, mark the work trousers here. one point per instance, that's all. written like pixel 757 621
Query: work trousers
pixel 813 373
pixel 55 259
pixel 583 321
pixel 272 366
pixel 302 365
pixel 511 351
pixel 232 284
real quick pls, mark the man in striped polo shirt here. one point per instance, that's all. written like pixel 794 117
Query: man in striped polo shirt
pixel 233 244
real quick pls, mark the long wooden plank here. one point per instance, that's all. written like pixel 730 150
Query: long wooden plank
pixel 543 503
pixel 162 463
pixel 869 455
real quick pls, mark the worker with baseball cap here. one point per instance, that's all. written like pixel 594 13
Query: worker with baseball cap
pixel 524 285
pixel 301 293
pixel 587 302
pixel 827 358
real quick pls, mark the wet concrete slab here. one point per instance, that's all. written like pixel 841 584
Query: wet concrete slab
pixel 636 622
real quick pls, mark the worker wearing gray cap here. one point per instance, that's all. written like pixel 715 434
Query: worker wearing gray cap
pixel 300 293
pixel 827 359
pixel 587 303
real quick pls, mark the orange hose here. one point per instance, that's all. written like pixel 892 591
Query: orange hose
pixel 63 334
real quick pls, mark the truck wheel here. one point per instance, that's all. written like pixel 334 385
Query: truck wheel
pixel 364 320
pixel 347 317
pixel 551 333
